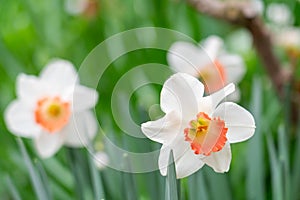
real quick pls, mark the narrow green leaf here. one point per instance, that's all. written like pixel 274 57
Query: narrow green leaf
pixel 13 190
pixel 34 176
pixel 55 168
pixel 128 178
pixel 255 152
pixel 276 176
pixel 171 191
pixel 197 187
pixel 296 166
pixel 219 186
pixel 44 179
pixel 284 160
pixel 96 179
pixel 79 170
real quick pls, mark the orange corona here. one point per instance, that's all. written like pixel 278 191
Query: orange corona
pixel 206 135
pixel 52 114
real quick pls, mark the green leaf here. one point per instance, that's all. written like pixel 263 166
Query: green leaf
pixel 296 166
pixel 12 188
pixel 171 191
pixel 276 176
pixel 35 178
pixel 96 179
pixel 284 160
pixel 197 187
pixel 255 152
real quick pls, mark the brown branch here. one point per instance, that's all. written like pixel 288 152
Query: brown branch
pixel 242 14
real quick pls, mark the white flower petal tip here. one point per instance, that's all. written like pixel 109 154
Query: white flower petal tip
pixel 43 110
pixel 212 45
pixel 59 71
pixel 101 160
pixel 220 161
pixel 47 145
pixel 162 130
pixel 84 98
pixel 218 96
pixel 187 58
pixel 180 92
pixel 20 121
pixel 239 121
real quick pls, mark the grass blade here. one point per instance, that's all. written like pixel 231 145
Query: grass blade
pixel 276 176
pixel 255 159
pixel 296 166
pixel 197 188
pixel 96 179
pixel 171 192
pixel 34 176
pixel 13 190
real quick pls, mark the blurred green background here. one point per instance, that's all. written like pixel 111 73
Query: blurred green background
pixel 32 32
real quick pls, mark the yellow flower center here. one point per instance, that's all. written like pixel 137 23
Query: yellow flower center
pixel 206 135
pixel 52 113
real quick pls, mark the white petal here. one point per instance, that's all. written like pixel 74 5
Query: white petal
pixel 19 119
pixel 188 58
pixel 163 130
pixel 219 161
pixel 81 129
pixel 186 162
pixel 209 103
pixel 240 122
pixel 60 72
pixel 47 144
pixel 84 98
pixel 234 67
pixel 181 92
pixel 31 88
pixel 212 45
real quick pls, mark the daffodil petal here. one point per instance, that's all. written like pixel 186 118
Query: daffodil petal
pixel 164 129
pixel 47 144
pixel 240 122
pixel 61 72
pixel 188 58
pixel 186 162
pixel 81 129
pixel 163 159
pixel 20 120
pixel 219 161
pixel 181 93
pixel 30 88
pixel 84 98
pixel 234 67
pixel 214 99
pixel 212 45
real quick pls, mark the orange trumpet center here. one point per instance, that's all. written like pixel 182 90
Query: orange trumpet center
pixel 213 76
pixel 52 113
pixel 206 135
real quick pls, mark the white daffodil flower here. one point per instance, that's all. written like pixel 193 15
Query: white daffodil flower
pixel 53 109
pixel 211 63
pixel 197 129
